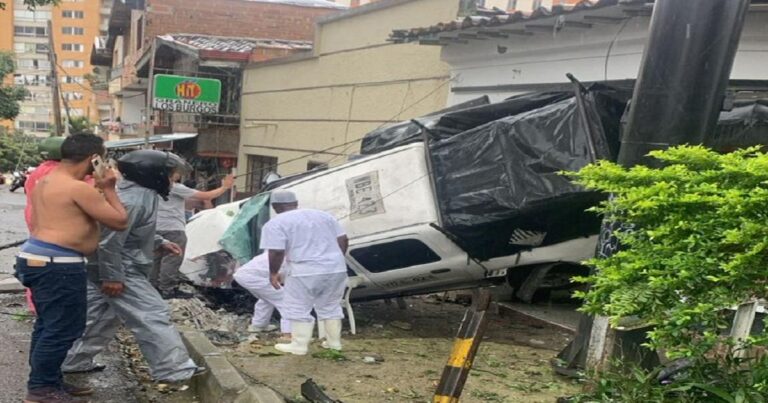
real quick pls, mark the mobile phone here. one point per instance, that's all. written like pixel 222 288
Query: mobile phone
pixel 99 167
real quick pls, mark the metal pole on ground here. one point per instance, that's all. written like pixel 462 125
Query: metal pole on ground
pixel 465 348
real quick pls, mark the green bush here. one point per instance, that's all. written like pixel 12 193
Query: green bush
pixel 698 243
pixel 728 380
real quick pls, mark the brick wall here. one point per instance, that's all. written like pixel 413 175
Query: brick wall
pixel 232 18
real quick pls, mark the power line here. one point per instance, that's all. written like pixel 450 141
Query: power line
pixel 349 143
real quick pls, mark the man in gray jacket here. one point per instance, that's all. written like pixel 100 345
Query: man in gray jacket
pixel 119 289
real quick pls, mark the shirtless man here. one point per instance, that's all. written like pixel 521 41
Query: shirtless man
pixel 66 213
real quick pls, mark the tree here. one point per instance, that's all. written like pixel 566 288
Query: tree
pixel 698 244
pixel 17 149
pixel 33 3
pixel 9 95
pixel 80 124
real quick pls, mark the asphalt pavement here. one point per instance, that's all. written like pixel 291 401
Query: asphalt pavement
pixel 115 385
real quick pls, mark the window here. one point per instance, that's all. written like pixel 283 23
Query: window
pixel 37 32
pixel 536 4
pixel 394 255
pixel 34 64
pixel 259 166
pixel 72 30
pixel 73 47
pixel 72 63
pixel 30 48
pixel 73 79
pixel 34 126
pixel 73 14
pixel 35 110
pixel 73 95
pixel 139 32
pixel 25 14
pixel 512 5
pixel 31 79
pixel 38 96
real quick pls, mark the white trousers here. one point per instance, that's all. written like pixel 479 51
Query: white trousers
pixel 257 283
pixel 322 292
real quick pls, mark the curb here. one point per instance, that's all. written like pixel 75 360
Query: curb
pixel 11 285
pixel 222 383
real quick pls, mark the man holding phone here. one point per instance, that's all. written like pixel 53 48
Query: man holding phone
pixel 66 213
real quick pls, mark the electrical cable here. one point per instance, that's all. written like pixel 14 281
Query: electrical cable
pixel 610 47
pixel 349 143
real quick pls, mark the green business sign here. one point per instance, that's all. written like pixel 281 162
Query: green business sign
pixel 186 94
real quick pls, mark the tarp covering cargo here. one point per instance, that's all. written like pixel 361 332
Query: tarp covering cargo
pixel 499 186
pixel 746 124
pixel 459 118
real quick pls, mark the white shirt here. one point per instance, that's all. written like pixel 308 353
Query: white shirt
pixel 170 213
pixel 309 239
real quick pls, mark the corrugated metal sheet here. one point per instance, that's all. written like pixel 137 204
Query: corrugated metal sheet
pixel 232 44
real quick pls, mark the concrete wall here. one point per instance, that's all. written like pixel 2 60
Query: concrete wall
pixel 543 58
pixel 355 83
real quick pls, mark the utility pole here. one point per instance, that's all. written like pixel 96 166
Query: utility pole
pixel 150 129
pixel 54 80
pixel 677 99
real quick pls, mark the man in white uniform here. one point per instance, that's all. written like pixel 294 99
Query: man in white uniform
pixel 312 245
pixel 254 277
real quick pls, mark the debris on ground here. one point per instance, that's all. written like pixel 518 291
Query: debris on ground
pixel 154 392
pixel 512 363
pixel 194 313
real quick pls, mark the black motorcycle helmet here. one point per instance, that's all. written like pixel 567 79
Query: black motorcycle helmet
pixel 151 169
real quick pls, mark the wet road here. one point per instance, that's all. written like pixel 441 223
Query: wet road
pixel 114 385
pixel 12 226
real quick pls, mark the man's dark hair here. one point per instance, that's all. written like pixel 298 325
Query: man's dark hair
pixel 79 147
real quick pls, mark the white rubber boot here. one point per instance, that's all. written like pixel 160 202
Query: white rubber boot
pixel 301 333
pixel 332 334
pixel 321 330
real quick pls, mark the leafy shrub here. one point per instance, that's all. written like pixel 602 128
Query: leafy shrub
pixel 698 243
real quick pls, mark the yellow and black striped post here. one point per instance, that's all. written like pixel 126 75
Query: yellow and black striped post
pixel 464 350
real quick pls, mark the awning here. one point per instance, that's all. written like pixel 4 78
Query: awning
pixel 137 142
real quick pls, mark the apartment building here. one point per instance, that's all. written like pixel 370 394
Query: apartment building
pixel 75 24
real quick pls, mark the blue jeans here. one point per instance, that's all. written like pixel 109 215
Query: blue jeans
pixel 59 294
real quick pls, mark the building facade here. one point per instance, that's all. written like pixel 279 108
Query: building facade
pixel 75 24
pixel 501 56
pixel 133 26
pixel 312 109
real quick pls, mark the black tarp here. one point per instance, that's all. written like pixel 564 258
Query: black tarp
pixel 459 118
pixel 745 125
pixel 499 186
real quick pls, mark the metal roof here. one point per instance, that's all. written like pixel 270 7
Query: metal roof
pixel 497 23
pixel 305 3
pixel 232 44
pixel 137 142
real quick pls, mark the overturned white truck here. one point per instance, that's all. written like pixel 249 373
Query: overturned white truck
pixel 467 196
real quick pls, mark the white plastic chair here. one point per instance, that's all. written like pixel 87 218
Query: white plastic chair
pixel 352 283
